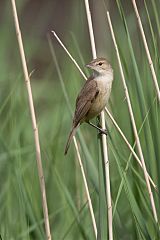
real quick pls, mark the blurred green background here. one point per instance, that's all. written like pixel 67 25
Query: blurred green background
pixel 21 215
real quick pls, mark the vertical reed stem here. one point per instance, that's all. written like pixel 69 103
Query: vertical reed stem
pixel 34 124
pixel 133 123
pixel 104 140
pixel 147 50
pixel 86 187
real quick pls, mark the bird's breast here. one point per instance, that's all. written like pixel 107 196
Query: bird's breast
pixel 104 90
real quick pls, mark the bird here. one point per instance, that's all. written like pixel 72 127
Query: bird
pixel 93 96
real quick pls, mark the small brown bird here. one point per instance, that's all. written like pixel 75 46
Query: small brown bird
pixel 93 96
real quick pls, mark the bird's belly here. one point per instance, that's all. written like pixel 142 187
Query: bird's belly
pixel 100 102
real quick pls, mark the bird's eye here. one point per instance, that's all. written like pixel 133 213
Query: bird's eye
pixel 100 64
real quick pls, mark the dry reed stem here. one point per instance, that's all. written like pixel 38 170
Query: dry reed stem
pixel 109 114
pixel 147 50
pixel 34 124
pixel 104 139
pixel 74 138
pixel 86 186
pixel 133 122
pixel 129 146
pixel 73 60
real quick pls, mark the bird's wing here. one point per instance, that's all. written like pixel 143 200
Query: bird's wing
pixel 85 99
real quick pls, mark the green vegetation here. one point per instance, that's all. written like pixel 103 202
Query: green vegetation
pixel 21 214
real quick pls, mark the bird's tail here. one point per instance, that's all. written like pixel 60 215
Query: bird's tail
pixel 72 133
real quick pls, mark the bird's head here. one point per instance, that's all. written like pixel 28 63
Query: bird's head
pixel 100 66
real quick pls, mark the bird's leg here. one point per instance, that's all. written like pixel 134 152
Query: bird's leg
pixel 99 123
pixel 98 128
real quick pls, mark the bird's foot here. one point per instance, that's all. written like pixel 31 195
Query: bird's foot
pixel 103 131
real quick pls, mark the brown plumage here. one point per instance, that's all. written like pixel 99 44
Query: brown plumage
pixel 93 96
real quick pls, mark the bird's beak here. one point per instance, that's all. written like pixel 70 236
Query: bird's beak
pixel 89 65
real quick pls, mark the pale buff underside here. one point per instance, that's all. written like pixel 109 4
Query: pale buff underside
pixel 104 85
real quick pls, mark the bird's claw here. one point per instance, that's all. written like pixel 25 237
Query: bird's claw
pixel 103 131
